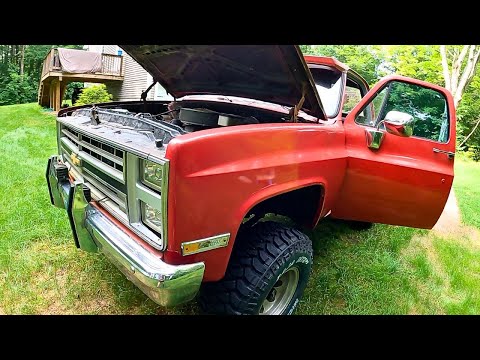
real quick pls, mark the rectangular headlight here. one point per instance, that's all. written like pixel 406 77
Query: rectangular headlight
pixel 152 174
pixel 152 217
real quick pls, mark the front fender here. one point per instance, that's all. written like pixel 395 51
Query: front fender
pixel 218 175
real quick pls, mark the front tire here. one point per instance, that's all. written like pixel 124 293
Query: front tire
pixel 267 273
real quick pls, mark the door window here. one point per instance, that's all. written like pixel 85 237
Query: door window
pixel 353 95
pixel 427 106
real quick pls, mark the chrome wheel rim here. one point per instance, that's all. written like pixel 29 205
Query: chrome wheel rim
pixel 281 293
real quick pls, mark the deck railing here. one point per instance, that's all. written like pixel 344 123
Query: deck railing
pixel 111 64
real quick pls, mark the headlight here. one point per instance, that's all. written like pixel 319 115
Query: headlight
pixel 152 174
pixel 152 217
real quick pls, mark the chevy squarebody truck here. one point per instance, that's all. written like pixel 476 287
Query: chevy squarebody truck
pixel 183 197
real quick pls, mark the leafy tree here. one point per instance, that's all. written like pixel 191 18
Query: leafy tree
pixel 70 87
pixel 421 62
pixel 94 94
pixel 365 59
pixel 16 89
pixel 468 114
pixel 459 64
pixel 25 61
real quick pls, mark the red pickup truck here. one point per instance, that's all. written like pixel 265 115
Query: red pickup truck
pixel 184 197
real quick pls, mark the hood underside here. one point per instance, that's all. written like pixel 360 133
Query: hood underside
pixel 272 73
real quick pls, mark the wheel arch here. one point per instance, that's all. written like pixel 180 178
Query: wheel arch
pixel 223 255
pixel 311 193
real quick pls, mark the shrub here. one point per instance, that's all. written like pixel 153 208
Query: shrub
pixel 94 94
pixel 16 89
pixel 473 152
pixel 70 87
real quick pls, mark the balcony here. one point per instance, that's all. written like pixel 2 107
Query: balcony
pixel 54 78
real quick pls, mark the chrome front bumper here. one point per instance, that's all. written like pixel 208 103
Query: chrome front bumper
pixel 167 285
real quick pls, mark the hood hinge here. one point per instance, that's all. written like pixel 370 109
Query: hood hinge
pixel 295 109
pixel 144 94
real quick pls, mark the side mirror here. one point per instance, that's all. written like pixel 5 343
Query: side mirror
pixel 398 123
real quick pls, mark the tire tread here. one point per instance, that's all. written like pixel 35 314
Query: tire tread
pixel 261 250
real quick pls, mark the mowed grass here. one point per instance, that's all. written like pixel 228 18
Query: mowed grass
pixel 384 270
pixel 41 271
pixel 467 187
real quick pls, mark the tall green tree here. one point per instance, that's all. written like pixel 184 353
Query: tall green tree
pixel 367 60
pixel 20 71
pixel 468 115
pixel 421 62
pixel 459 64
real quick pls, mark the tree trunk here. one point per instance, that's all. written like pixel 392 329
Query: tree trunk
pixel 22 59
pixel 7 50
pixel 471 133
pixel 12 54
pixel 462 70
pixel 446 73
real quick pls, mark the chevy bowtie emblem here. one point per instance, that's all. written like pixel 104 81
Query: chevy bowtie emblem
pixel 75 159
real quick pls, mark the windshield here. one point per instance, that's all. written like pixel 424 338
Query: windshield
pixel 328 82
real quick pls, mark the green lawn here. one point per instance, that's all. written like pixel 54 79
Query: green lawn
pixel 384 270
pixel 468 190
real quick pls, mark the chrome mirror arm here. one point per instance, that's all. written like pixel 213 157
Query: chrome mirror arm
pixel 379 124
pixel 374 138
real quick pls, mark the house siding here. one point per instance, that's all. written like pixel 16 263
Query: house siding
pixel 136 78
pixel 134 81
pixel 110 49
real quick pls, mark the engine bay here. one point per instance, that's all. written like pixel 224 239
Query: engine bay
pixel 192 115
pixel 162 121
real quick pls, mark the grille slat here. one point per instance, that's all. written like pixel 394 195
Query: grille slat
pixel 103 152
pixel 106 189
pixel 97 159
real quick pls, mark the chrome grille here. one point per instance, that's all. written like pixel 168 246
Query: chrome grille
pixel 102 165
pixel 103 152
pixel 113 175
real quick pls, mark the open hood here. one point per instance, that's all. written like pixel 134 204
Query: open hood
pixel 273 73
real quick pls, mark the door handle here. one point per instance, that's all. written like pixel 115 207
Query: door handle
pixel 450 154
